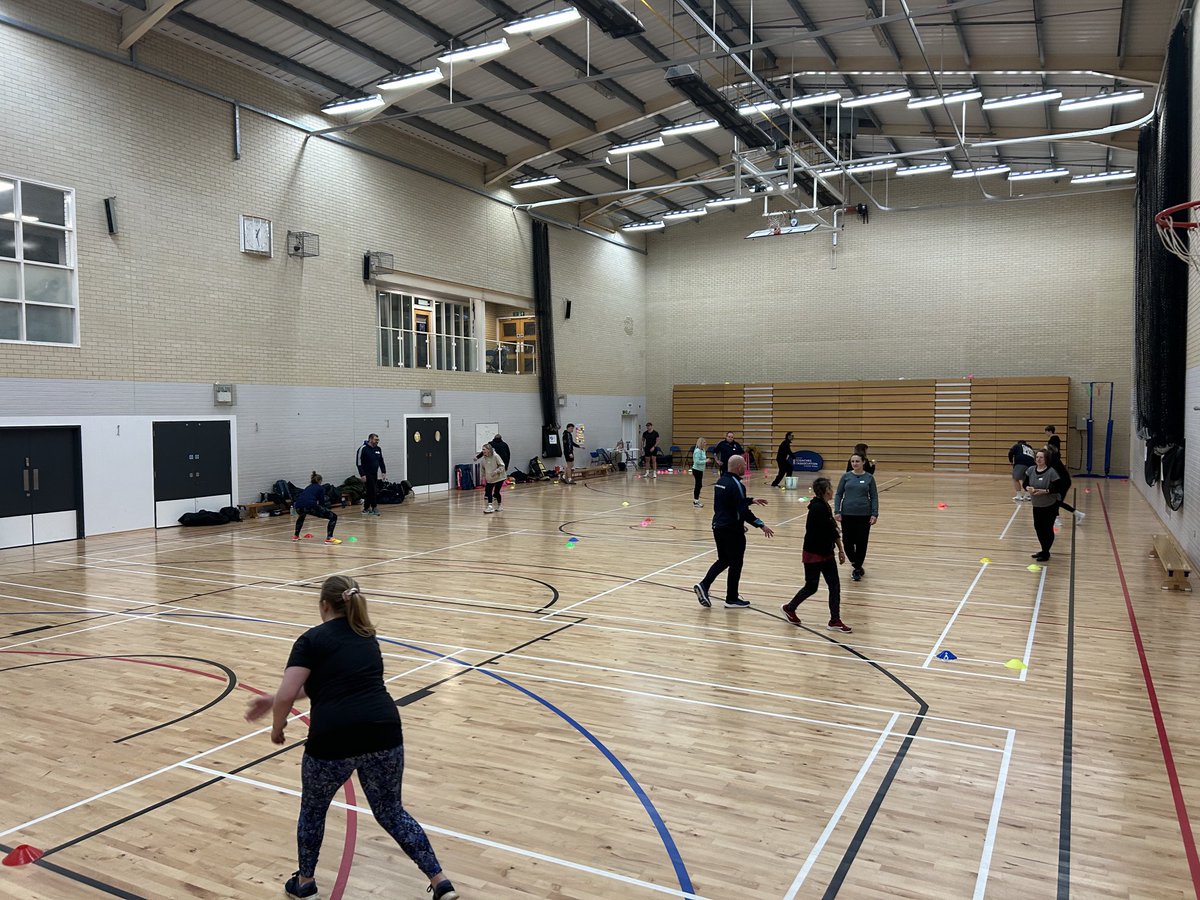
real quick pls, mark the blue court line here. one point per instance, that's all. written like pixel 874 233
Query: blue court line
pixel 681 873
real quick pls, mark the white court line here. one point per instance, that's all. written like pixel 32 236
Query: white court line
pixel 1037 605
pixel 958 609
pixel 619 587
pixel 989 842
pixel 798 881
pixel 469 838
pixel 1011 519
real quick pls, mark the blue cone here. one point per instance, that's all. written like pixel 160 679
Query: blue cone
pixel 946 654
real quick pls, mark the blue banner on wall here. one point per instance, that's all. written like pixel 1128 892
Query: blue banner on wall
pixel 807 461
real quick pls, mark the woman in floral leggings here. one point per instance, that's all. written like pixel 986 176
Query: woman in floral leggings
pixel 353 726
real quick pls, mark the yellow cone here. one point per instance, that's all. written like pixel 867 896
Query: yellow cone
pixel 1015 664
pixel 985 560
pixel 1034 567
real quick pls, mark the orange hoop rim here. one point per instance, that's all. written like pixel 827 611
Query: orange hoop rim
pixel 1165 219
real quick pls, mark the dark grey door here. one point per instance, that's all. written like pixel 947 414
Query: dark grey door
pixel 41 486
pixel 191 459
pixel 427 450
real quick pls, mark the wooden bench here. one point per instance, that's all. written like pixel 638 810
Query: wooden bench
pixel 253 509
pixel 1174 562
pixel 591 472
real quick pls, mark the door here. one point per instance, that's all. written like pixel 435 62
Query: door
pixel 41 486
pixel 421 319
pixel 192 468
pixel 427 453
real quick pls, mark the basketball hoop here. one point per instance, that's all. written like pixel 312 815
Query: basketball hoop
pixel 1176 233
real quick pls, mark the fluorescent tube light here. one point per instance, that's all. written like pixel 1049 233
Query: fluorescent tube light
pixel 946 100
pixel 1035 174
pixel 1095 177
pixel 1112 98
pixel 353 105
pixel 635 147
pixel 879 97
pixel 690 128
pixel 643 226
pixel 753 108
pixel 476 52
pixel 533 24
pixel 685 214
pixel 535 181
pixel 811 100
pixel 727 201
pixel 1022 99
pixel 981 171
pixel 878 166
pixel 412 80
pixel 924 169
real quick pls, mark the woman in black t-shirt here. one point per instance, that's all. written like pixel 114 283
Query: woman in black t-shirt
pixel 353 726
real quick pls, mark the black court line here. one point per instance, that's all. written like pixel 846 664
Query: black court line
pixel 81 879
pixel 230 682
pixel 554 594
pixel 1064 800
pixel 868 819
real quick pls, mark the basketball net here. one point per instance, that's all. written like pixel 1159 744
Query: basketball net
pixel 1175 226
pixel 778 221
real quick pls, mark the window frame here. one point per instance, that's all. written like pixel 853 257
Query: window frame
pixel 442 345
pixel 70 265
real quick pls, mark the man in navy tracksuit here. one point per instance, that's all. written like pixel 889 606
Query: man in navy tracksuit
pixel 731 508
pixel 370 466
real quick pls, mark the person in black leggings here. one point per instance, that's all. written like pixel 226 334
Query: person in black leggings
pixel 856 508
pixel 821 537
pixel 311 502
pixel 699 462
pixel 1041 483
pixel 353 727
pixel 783 458
pixel 1064 480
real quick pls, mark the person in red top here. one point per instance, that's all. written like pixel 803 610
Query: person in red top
pixel 821 536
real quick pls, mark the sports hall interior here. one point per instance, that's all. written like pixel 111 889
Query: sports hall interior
pixel 301 222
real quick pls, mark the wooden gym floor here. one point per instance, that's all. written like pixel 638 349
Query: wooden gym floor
pixel 577 726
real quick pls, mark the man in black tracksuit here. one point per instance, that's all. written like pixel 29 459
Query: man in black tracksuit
pixel 370 466
pixel 731 508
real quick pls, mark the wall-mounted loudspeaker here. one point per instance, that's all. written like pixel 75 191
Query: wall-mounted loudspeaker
pixel 366 267
pixel 110 214
pixel 568 313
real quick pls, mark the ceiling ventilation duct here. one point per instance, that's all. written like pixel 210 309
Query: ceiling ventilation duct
pixel 611 17
pixel 705 98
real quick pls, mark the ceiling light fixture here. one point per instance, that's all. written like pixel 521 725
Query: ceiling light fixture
pixel 1035 174
pixel 690 128
pixel 643 226
pixel 727 201
pixel 1112 98
pixel 350 105
pixel 412 80
pixel 635 147
pixel 878 166
pixel 981 171
pixel 811 100
pixel 751 109
pixel 944 99
pixel 879 97
pixel 1022 99
pixel 533 24
pixel 535 181
pixel 476 52
pixel 924 169
pixel 1096 177
pixel 685 214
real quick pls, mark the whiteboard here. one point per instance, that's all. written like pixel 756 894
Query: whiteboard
pixel 484 432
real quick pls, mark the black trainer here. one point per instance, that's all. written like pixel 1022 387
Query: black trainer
pixel 293 888
pixel 701 595
pixel 739 603
pixel 444 891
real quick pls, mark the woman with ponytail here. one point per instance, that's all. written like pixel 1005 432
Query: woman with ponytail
pixel 353 726
pixel 311 502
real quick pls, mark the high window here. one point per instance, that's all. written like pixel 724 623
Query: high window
pixel 424 333
pixel 39 295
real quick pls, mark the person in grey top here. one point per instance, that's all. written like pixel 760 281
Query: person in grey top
pixel 1041 484
pixel 856 506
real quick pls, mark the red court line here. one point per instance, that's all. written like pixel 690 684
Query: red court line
pixel 343 875
pixel 1181 813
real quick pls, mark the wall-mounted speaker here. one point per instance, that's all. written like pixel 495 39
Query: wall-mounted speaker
pixel 568 313
pixel 110 214
pixel 366 267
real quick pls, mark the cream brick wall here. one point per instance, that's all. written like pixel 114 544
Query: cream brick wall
pixel 171 298
pixel 962 287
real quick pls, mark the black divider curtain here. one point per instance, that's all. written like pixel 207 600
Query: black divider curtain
pixel 1161 279
pixel 545 322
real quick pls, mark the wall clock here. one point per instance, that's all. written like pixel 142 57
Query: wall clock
pixel 256 235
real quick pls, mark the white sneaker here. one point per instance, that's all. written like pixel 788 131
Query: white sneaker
pixel 489 509
pixel 1019 497
pixel 697 504
pixel 1079 515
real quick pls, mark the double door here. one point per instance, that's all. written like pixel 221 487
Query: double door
pixel 41 486
pixel 427 453
pixel 193 469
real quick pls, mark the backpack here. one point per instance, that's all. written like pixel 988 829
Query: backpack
pixel 464 478
pixel 537 469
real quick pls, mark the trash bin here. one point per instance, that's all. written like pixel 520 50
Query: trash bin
pixel 791 482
